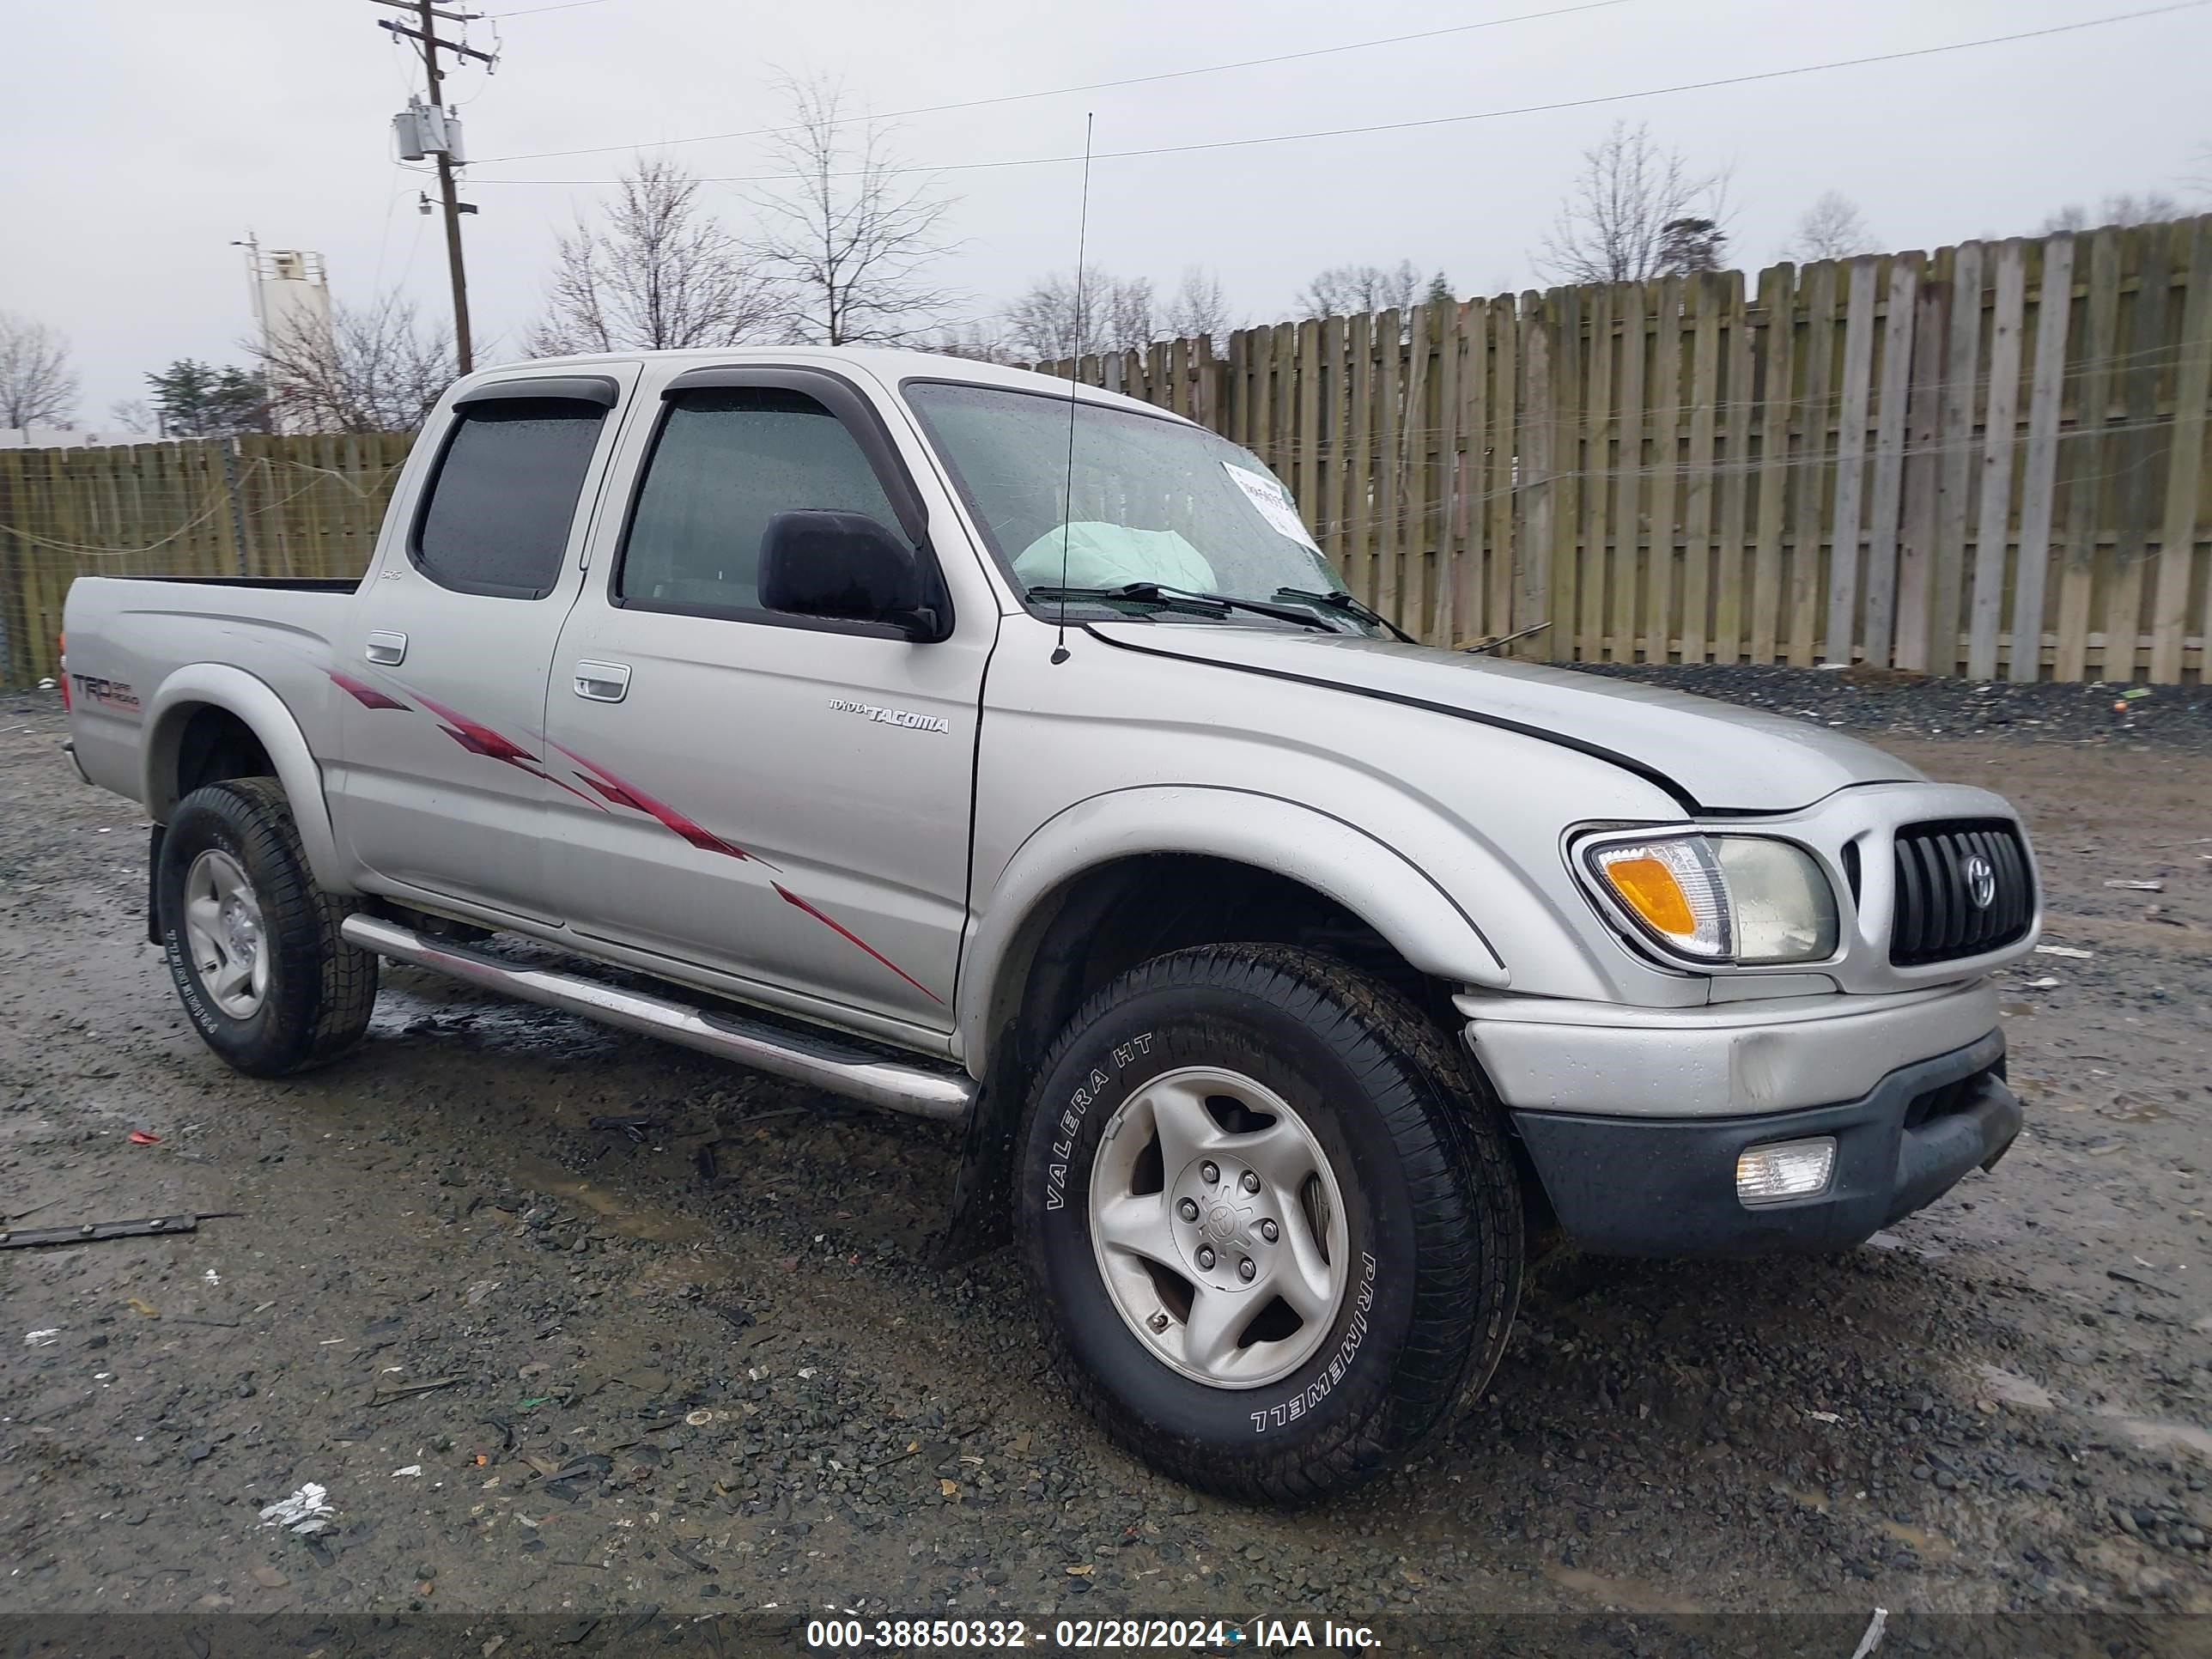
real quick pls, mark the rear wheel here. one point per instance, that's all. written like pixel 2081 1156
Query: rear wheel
pixel 252 943
pixel 1273 1231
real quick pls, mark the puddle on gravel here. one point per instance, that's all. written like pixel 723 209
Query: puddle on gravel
pixel 1627 1593
pixel 1930 1546
pixel 631 1220
pixel 2153 1435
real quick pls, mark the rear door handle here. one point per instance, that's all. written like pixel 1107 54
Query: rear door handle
pixel 602 682
pixel 387 648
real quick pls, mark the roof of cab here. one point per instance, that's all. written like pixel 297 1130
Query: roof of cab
pixel 889 365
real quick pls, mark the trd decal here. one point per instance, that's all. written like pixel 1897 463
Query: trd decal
pixel 109 693
pixel 478 739
pixel 791 898
pixel 624 793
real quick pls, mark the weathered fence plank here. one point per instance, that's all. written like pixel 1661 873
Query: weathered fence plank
pixel 2039 476
pixel 1993 522
pixel 1704 400
pixel 2176 546
pixel 2086 485
pixel 1850 462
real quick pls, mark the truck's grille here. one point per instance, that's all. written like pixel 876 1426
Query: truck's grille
pixel 1939 915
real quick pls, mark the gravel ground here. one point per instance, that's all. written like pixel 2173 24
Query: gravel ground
pixel 1881 704
pixel 590 1373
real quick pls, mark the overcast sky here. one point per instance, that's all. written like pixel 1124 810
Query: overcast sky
pixel 142 137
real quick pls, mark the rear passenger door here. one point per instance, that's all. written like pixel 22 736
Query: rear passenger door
pixel 442 680
pixel 780 799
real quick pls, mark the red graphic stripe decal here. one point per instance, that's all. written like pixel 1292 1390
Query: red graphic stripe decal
pixel 478 739
pixel 362 692
pixel 623 792
pixel 791 898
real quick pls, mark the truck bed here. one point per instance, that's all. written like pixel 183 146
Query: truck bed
pixel 126 636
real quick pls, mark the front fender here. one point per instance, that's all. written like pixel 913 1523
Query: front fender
pixel 1366 876
pixel 252 700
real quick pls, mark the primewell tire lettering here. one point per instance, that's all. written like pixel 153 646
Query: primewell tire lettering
pixel 1071 1119
pixel 1307 1398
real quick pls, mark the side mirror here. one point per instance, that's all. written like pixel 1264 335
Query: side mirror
pixel 845 566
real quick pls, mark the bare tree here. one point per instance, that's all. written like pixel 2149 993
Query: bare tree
pixel 1832 228
pixel 851 237
pixel 1115 316
pixel 38 387
pixel 658 272
pixel 132 415
pixel 1360 290
pixel 979 339
pixel 372 369
pixel 1200 305
pixel 1613 227
pixel 2123 208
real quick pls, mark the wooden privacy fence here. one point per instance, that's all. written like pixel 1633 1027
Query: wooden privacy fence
pixel 1989 461
pixel 249 507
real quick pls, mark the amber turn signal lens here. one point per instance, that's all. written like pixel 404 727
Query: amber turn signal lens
pixel 1671 888
pixel 1649 888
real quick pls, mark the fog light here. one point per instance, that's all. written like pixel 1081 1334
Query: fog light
pixel 1785 1169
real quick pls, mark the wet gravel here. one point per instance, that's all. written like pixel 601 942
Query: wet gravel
pixel 704 1365
pixel 1880 703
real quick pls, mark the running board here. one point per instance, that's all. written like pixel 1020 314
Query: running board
pixel 823 1062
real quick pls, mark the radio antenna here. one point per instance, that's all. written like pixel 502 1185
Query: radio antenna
pixel 1074 362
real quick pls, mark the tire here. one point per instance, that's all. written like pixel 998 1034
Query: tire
pixel 1410 1178
pixel 271 996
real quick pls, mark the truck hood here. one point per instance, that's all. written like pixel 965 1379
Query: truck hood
pixel 1710 756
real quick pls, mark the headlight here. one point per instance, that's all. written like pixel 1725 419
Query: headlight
pixel 1744 899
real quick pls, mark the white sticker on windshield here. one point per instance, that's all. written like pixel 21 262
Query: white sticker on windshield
pixel 1274 502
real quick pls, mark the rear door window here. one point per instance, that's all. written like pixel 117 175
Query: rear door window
pixel 499 505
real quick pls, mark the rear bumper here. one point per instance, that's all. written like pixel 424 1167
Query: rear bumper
pixel 1666 1185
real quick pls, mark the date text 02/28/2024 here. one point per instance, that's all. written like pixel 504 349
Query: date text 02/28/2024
pixel 1082 1635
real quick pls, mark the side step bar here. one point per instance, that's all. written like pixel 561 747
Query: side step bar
pixel 945 1096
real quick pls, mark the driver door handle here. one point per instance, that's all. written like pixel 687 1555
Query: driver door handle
pixel 601 682
pixel 386 647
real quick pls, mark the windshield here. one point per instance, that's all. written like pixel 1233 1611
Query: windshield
pixel 1155 501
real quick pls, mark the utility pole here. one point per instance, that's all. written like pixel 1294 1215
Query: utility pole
pixel 438 134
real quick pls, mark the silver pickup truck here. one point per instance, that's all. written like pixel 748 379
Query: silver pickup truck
pixel 979 746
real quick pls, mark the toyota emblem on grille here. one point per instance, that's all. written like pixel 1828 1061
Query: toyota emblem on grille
pixel 1981 881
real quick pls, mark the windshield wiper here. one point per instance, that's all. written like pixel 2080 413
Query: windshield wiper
pixel 1338 599
pixel 1157 593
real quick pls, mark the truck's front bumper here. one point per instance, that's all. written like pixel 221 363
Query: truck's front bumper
pixel 1635 1128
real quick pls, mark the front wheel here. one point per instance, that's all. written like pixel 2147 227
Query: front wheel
pixel 1273 1233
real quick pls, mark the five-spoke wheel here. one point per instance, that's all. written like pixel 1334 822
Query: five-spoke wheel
pixel 1219 1226
pixel 224 931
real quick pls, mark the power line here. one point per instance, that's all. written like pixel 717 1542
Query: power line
pixel 1794 71
pixel 527 11
pixel 1062 92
